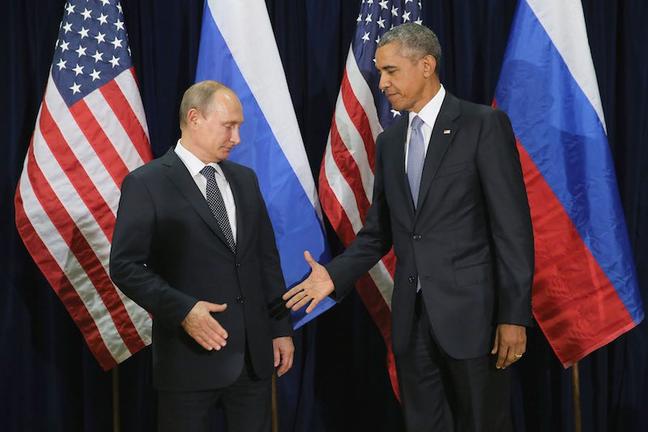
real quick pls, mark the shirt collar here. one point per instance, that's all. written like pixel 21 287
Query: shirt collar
pixel 193 164
pixel 431 110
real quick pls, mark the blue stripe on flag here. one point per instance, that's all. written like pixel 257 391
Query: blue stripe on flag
pixel 563 135
pixel 295 221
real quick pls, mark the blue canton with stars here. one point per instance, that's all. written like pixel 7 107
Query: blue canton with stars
pixel 376 17
pixel 92 48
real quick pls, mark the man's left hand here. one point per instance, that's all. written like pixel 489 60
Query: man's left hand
pixel 283 354
pixel 510 344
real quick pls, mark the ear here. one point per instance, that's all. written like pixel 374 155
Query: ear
pixel 429 65
pixel 193 117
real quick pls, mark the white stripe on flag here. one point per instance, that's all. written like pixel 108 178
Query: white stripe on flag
pixel 564 22
pixel 128 86
pixel 341 189
pixel 68 263
pixel 250 49
pixel 82 149
pixel 113 129
pixel 363 94
pixel 352 140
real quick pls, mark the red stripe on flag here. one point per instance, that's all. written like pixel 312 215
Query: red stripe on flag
pixel 334 211
pixel 97 138
pixel 124 113
pixel 349 170
pixel 75 172
pixel 84 254
pixel 576 316
pixel 62 286
pixel 359 118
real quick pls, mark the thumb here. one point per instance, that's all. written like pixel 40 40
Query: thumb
pixel 309 259
pixel 496 343
pixel 215 307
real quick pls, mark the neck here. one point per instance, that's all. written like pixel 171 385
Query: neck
pixel 428 93
pixel 188 143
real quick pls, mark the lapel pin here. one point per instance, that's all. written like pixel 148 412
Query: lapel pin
pixel 446 131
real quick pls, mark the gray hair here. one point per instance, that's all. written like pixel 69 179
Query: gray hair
pixel 416 41
pixel 199 96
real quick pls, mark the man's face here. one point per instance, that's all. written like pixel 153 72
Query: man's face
pixel 401 78
pixel 217 130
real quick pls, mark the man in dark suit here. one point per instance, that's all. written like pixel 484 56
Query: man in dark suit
pixel 193 245
pixel 449 197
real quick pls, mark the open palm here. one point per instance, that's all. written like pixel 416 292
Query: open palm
pixel 317 286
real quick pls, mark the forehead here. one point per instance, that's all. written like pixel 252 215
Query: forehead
pixel 227 107
pixel 389 55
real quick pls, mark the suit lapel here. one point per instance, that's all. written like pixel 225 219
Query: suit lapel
pixel 443 133
pixel 181 179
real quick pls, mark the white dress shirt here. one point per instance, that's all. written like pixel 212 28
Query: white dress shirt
pixel 428 114
pixel 194 165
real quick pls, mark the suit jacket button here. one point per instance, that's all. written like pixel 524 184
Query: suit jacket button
pixel 237 265
pixel 411 279
pixel 240 299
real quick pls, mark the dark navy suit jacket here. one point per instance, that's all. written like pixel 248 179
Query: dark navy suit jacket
pixel 470 241
pixel 168 253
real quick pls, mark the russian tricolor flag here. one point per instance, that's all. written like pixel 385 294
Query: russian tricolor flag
pixel 238 48
pixel 585 289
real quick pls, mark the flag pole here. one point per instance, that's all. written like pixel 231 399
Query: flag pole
pixel 578 425
pixel 115 399
pixel 275 413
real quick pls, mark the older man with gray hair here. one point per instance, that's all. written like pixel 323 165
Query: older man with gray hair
pixel 194 246
pixel 450 198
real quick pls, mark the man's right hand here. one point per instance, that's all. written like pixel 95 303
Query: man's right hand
pixel 315 288
pixel 203 328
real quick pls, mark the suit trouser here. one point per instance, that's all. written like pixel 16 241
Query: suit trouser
pixel 246 403
pixel 440 393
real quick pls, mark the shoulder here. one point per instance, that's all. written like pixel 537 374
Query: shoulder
pixel 480 113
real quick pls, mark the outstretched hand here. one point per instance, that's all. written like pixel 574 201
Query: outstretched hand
pixel 315 288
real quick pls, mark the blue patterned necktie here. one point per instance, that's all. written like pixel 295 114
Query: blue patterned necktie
pixel 415 157
pixel 217 205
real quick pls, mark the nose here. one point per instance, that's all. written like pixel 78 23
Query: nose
pixel 236 135
pixel 383 84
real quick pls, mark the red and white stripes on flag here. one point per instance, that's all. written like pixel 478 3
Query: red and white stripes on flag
pixel 347 171
pixel 67 196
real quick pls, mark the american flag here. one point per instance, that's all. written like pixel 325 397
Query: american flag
pixel 346 175
pixel 89 133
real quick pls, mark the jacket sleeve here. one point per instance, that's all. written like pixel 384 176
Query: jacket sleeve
pixel 274 283
pixel 130 254
pixel 509 218
pixel 372 242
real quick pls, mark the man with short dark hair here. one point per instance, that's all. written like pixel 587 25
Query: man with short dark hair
pixel 194 246
pixel 450 198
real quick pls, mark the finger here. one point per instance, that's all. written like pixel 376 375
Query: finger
pixel 496 343
pixel 309 259
pixel 277 356
pixel 215 307
pixel 312 305
pixel 203 343
pixel 295 299
pixel 502 352
pixel 289 363
pixel 212 325
pixel 212 340
pixel 301 303
pixel 291 292
pixel 511 357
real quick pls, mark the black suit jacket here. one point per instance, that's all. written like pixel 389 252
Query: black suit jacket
pixel 470 240
pixel 168 253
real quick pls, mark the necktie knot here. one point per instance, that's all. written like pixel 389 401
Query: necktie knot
pixel 416 124
pixel 208 172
